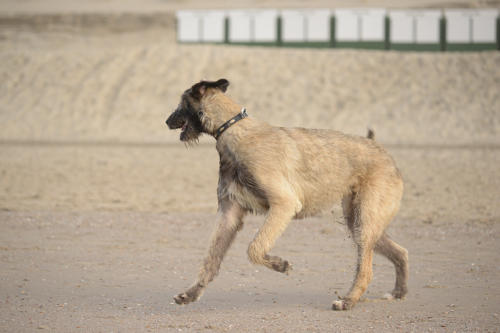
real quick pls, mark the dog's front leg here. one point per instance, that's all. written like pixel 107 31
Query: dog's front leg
pixel 276 222
pixel 230 221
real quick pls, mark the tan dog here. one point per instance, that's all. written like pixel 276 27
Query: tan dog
pixel 290 173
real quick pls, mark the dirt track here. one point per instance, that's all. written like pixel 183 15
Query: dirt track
pixel 77 269
pixel 104 272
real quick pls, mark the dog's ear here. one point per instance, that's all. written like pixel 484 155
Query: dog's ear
pixel 199 89
pixel 222 84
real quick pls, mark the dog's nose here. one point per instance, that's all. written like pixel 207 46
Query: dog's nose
pixel 169 121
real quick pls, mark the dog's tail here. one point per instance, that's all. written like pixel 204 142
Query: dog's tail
pixel 371 134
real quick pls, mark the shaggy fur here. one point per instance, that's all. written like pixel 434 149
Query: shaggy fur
pixel 289 173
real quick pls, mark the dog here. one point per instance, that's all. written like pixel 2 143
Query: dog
pixel 291 173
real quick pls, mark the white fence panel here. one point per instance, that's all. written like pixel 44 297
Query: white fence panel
pixel 213 26
pixel 484 26
pixel 471 25
pixel 188 26
pixel 458 26
pixel 415 26
pixel 293 26
pixel 402 26
pixel 463 26
pixel 265 25
pixel 318 25
pixel 427 26
pixel 240 26
pixel 360 24
pixel 372 24
pixel 347 25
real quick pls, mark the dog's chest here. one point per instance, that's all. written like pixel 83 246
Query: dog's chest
pixel 246 199
pixel 238 183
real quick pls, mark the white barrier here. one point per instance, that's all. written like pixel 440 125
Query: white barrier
pixel 402 26
pixel 293 25
pixel 305 25
pixel 213 26
pixel 415 26
pixel 189 26
pixel 483 26
pixel 360 25
pixel 471 25
pixel 427 26
pixel 318 25
pixel 455 29
pixel 373 24
pixel 252 26
pixel 265 27
pixel 240 26
pixel 347 25
pixel 200 26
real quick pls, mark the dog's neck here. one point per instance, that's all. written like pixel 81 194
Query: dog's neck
pixel 218 110
pixel 230 122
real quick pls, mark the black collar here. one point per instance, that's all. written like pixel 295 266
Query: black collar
pixel 231 122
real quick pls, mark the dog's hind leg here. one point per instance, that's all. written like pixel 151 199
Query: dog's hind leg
pixel 399 257
pixel 356 220
pixel 277 220
pixel 367 213
pixel 230 221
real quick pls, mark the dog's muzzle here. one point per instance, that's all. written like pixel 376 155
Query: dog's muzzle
pixel 174 121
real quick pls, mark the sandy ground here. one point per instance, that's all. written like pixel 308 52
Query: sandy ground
pixel 72 86
pixel 102 272
pixel 99 238
pixel 104 215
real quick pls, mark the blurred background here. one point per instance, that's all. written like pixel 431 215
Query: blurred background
pixel 87 85
pixel 110 70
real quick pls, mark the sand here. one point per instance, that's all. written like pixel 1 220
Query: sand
pixel 60 86
pixel 102 272
pixel 104 215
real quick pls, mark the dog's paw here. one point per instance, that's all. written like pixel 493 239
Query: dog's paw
pixel 283 267
pixel 184 298
pixel 288 268
pixel 342 304
pixel 399 293
pixel 278 264
pixel 388 297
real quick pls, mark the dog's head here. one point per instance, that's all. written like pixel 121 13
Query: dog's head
pixel 190 115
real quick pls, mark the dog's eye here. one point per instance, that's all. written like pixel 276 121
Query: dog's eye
pixel 200 113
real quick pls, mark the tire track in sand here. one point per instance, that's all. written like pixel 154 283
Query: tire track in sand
pixel 117 86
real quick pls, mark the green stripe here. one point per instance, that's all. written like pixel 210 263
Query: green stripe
pixel 471 46
pixel 226 30
pixel 279 39
pixel 361 45
pixel 415 47
pixel 387 24
pixel 498 33
pixel 442 33
pixel 332 31
pixel 307 44
pixel 267 44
